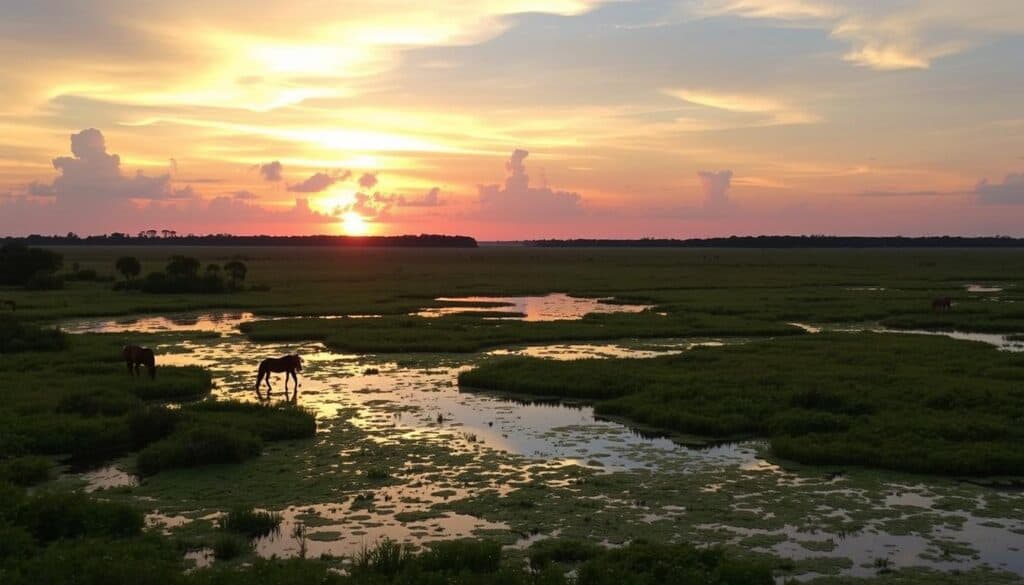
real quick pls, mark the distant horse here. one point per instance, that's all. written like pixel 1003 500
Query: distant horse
pixel 135 356
pixel 289 364
pixel 942 304
pixel 9 303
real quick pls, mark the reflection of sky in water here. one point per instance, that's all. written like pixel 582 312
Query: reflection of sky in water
pixel 416 396
pixel 216 322
pixel 983 288
pixel 387 394
pixel 1001 342
pixel 552 307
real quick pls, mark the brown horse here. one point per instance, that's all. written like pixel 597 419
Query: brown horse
pixel 942 304
pixel 289 364
pixel 135 356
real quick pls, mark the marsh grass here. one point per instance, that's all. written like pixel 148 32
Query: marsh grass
pixel 26 470
pixel 202 445
pixel 230 546
pixel 250 522
pixel 18 336
pixel 80 402
pixel 911 403
pixel 471 332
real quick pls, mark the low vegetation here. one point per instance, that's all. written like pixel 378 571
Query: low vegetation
pixel 80 402
pixel 182 275
pixel 904 402
pixel 251 523
pixel 18 336
pixel 21 265
pixel 472 332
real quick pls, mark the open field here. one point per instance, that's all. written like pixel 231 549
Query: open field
pixel 853 456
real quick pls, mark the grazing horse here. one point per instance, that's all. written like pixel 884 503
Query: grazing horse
pixel 289 364
pixel 135 356
pixel 942 304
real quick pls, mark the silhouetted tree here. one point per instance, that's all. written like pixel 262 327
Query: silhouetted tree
pixel 19 263
pixel 182 267
pixel 129 266
pixel 236 271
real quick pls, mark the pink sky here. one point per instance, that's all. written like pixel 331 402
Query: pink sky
pixel 515 119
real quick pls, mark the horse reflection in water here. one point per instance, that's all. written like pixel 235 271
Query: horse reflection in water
pixel 289 364
pixel 136 356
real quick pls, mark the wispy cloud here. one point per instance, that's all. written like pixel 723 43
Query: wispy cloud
pixel 772 111
pixel 892 35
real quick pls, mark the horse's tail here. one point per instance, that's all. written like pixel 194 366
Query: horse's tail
pixel 260 373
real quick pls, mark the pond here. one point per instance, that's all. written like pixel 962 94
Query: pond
pixel 551 307
pixel 451 463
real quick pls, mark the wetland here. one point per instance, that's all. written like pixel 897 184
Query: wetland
pixel 634 397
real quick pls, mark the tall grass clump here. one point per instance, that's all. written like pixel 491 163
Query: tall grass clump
pixel 387 557
pixel 18 336
pixel 54 516
pixel 250 522
pixel 197 446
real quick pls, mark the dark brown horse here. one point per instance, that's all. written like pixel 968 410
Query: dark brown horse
pixel 942 304
pixel 289 364
pixel 135 356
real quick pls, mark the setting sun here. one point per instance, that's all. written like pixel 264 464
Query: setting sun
pixel 353 224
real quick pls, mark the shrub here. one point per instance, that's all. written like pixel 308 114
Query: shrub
pixel 268 422
pixel 54 516
pixel 27 470
pixel 19 263
pixel 128 266
pixel 15 543
pixel 44 281
pixel 456 556
pixel 229 546
pixel 97 403
pixel 557 550
pixel 387 557
pixel 252 523
pixel 669 564
pixel 152 423
pixel 98 561
pixel 198 446
pixel 187 383
pixel 16 336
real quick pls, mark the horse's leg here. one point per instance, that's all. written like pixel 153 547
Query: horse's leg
pixel 129 364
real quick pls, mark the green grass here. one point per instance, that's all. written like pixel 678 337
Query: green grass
pixel 18 336
pixel 902 402
pixel 750 286
pixel 471 332
pixel 81 403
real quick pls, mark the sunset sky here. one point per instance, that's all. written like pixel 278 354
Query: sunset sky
pixel 513 119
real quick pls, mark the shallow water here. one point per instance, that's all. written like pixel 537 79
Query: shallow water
pixel 222 323
pixel 552 307
pixel 655 487
pixel 983 288
pixel 1000 341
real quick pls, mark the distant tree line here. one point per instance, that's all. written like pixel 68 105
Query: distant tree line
pixel 182 275
pixel 790 242
pixel 171 238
